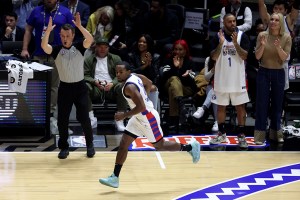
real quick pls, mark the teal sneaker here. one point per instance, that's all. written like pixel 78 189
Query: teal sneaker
pixel 195 152
pixel 111 181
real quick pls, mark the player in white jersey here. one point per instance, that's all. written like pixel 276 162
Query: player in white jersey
pixel 230 49
pixel 144 121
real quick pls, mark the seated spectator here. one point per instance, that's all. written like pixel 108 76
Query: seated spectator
pixel 12 32
pixel 242 13
pixel 162 25
pixel 100 22
pixel 178 80
pixel 209 71
pixel 100 77
pixel 146 62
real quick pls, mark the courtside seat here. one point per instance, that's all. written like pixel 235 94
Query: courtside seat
pixel 291 107
pixel 105 112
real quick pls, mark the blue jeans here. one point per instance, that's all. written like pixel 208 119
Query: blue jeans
pixel 270 89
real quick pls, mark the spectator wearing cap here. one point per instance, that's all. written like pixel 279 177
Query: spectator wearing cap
pixel 100 77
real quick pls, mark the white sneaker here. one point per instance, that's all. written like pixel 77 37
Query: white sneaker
pixel 54 128
pixel 120 125
pixel 70 131
pixel 93 119
pixel 94 122
pixel 199 113
pixel 215 127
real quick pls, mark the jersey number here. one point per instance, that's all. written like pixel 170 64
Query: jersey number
pixel 229 60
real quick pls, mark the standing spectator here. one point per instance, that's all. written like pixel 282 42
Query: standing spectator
pixel 72 87
pixel 100 76
pixel 252 66
pixel 290 19
pixel 84 11
pixel 280 6
pixel 242 13
pixel 272 49
pixel 144 121
pixel 37 22
pixel 209 71
pixel 162 25
pixel 178 80
pixel 146 62
pixel 23 9
pixel 230 49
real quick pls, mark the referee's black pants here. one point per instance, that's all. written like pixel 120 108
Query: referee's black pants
pixel 69 94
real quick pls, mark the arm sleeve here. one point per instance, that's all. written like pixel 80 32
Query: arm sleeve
pixel 221 17
pixel 247 20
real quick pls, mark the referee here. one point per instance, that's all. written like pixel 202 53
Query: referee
pixel 72 89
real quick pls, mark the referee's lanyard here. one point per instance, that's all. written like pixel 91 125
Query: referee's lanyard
pixel 45 26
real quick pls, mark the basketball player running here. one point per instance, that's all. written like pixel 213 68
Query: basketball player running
pixel 144 121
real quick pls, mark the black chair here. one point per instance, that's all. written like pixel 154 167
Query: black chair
pixel 195 32
pixel 179 10
pixel 12 47
pixel 291 107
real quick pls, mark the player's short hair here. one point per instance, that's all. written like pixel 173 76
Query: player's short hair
pixel 126 64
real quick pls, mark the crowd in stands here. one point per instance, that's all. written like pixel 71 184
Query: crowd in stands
pixel 146 34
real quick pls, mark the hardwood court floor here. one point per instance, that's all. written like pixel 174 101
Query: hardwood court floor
pixel 146 175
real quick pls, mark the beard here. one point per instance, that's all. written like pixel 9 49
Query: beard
pixel 49 6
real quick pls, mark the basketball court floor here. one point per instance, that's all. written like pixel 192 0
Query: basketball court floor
pixel 151 175
pixel 30 169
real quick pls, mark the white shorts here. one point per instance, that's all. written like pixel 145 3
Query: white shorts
pixel 147 125
pixel 224 98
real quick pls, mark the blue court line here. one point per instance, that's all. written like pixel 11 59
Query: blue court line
pixel 247 185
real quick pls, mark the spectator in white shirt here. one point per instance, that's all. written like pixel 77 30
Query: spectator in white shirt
pixel 242 13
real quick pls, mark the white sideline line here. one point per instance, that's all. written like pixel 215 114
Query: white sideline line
pixel 161 162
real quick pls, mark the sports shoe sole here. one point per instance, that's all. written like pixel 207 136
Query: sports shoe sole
pixel 103 182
